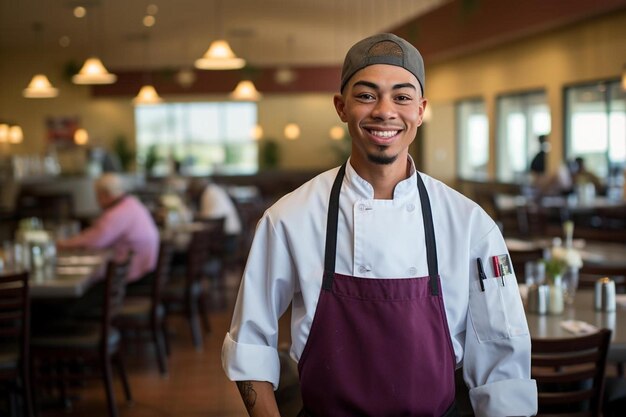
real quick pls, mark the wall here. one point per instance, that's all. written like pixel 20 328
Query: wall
pixel 592 50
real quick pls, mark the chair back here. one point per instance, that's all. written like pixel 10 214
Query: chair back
pixel 114 292
pixel 590 272
pixel 199 251
pixel 15 331
pixel 15 318
pixel 519 257
pixel 162 271
pixel 216 225
pixel 570 373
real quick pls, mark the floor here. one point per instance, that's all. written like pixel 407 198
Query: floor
pixel 196 385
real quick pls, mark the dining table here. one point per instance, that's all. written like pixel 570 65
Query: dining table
pixel 583 313
pixel 71 274
pixel 609 254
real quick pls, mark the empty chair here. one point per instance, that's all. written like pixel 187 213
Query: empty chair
pixel 570 374
pixel 71 349
pixel 147 313
pixel 15 340
pixel 519 258
pixel 185 292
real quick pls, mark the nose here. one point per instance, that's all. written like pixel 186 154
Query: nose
pixel 384 109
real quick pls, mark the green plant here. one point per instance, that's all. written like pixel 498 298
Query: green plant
pixel 269 154
pixel 123 151
pixel 151 160
pixel 554 267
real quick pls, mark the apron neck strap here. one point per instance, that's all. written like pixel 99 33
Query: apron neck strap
pixel 330 252
pixel 429 230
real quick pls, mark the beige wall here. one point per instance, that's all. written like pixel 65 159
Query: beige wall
pixel 589 51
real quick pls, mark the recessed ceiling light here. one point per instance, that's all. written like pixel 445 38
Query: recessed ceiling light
pixel 80 12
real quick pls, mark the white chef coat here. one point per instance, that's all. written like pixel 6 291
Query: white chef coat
pixel 215 202
pixel 385 239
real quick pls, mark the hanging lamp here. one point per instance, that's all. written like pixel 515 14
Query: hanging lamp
pixel 4 132
pixel 40 87
pixel 81 137
pixel 93 72
pixel 147 95
pixel 220 55
pixel 245 91
pixel 16 135
pixel 292 131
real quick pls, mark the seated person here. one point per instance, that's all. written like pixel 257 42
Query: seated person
pixel 125 225
pixel 581 175
pixel 212 201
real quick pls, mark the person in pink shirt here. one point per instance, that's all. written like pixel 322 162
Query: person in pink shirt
pixel 125 225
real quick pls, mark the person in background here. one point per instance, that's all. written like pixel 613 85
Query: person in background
pixel 538 163
pixel 383 268
pixel 581 175
pixel 212 201
pixel 125 225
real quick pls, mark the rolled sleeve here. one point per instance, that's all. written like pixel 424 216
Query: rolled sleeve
pixel 245 362
pixel 495 399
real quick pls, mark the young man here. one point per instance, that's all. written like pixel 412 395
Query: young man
pixel 380 265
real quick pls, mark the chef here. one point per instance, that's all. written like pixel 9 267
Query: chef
pixel 394 279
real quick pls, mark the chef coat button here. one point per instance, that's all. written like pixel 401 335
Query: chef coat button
pixel 412 271
pixel 362 269
pixel 362 207
pixel 410 207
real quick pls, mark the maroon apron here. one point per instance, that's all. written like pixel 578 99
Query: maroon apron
pixel 378 347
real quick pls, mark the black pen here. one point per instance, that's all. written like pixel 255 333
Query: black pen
pixel 481 274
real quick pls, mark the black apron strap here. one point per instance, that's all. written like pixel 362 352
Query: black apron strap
pixel 330 252
pixel 431 244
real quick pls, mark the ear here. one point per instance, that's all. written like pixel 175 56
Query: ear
pixel 421 110
pixel 340 105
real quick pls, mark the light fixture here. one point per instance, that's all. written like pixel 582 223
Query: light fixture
pixel 336 133
pixel 93 72
pixel 292 131
pixel 147 95
pixel 219 56
pixel 624 78
pixel 40 87
pixel 245 91
pixel 257 132
pixel 4 132
pixel 16 135
pixel 81 137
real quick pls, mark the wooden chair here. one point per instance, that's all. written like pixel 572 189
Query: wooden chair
pixel 147 313
pixel 570 374
pixel 15 339
pixel 590 272
pixel 72 349
pixel 185 293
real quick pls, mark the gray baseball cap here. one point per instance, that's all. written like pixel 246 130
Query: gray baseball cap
pixel 384 48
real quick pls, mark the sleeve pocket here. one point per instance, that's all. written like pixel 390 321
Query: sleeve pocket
pixel 497 313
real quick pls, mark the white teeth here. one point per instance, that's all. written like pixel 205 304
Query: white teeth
pixel 384 133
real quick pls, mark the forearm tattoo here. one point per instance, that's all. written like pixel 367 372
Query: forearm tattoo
pixel 248 394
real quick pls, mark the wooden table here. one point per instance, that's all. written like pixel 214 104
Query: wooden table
pixel 74 273
pixel 596 253
pixel 549 326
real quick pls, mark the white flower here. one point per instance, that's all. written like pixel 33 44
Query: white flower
pixel 570 256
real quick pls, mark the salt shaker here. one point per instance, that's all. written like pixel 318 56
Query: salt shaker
pixel 605 294
pixel 538 298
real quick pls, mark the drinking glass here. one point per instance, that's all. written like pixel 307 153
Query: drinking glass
pixel 570 284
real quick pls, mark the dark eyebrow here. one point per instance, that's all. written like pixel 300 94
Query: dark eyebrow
pixel 375 86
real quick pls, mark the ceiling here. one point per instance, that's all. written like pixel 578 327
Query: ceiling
pixel 265 32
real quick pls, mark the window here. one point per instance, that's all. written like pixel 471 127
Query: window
pixel 204 137
pixel 521 119
pixel 595 126
pixel 473 139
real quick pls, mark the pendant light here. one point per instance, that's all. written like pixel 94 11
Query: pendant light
pixel 291 129
pixel 245 91
pixel 93 71
pixel 4 132
pixel 220 55
pixel 16 135
pixel 147 93
pixel 40 86
pixel 81 137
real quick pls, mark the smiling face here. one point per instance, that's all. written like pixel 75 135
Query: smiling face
pixel 383 107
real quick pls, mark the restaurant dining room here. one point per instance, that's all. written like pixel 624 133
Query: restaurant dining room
pixel 160 162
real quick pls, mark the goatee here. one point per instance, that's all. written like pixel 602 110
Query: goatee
pixel 382 159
